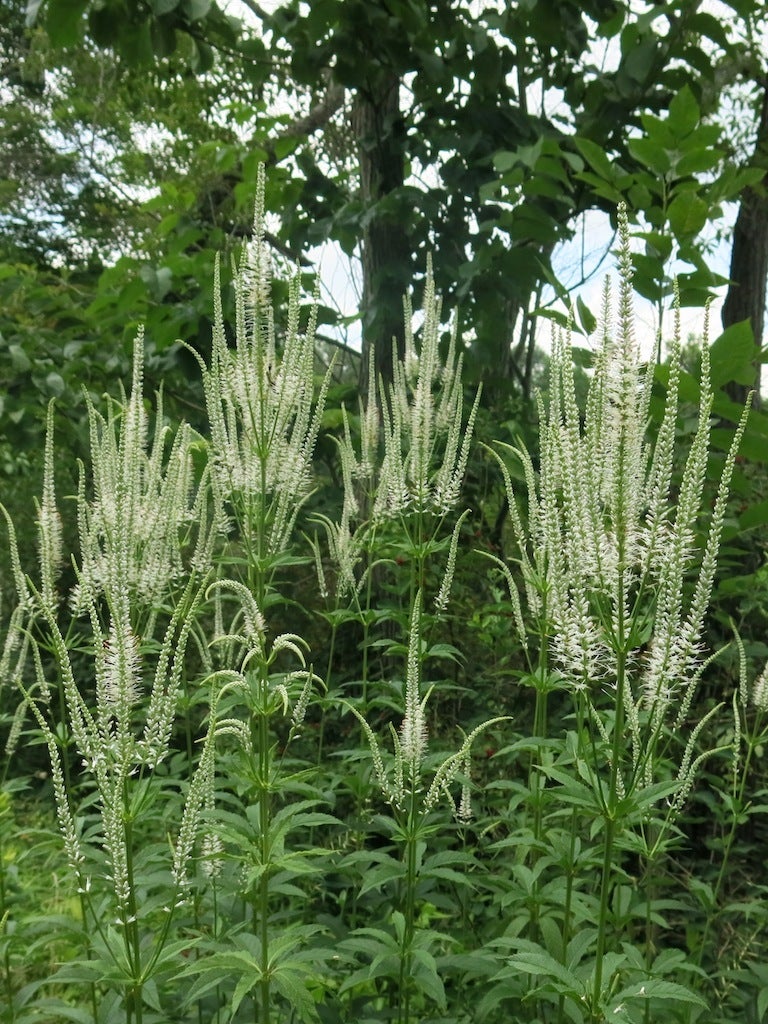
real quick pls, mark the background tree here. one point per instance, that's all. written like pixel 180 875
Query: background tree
pixel 470 133
pixel 745 300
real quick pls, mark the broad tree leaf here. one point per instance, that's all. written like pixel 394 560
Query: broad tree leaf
pixel 684 112
pixel 64 20
pixel 732 354
pixel 688 213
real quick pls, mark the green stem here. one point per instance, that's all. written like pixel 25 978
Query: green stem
pixel 409 904
pixel 264 826
pixel 605 881
pixel 132 936
pixel 610 810
pixel 409 915
pixel 568 908
pixel 571 871
pixel 4 915
pixel 328 676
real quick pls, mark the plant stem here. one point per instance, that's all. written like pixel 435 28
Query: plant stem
pixel 409 909
pixel 328 676
pixel 264 815
pixel 610 809
pixel 131 924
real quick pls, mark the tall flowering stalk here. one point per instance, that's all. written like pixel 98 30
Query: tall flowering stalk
pixel 136 524
pixel 248 703
pixel 413 784
pixel 145 544
pixel 426 442
pixel 609 547
pixel 414 443
pixel 263 412
pixel 403 477
pixel 407 474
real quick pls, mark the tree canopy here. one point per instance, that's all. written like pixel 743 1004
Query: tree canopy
pixel 481 133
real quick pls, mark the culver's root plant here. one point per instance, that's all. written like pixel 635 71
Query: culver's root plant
pixel 147 833
pixel 616 563
pixel 413 784
pixel 176 698
pixel 402 479
pixel 264 417
pixel 406 479
pixel 119 648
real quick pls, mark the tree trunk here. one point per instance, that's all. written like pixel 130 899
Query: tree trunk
pixel 378 128
pixel 749 258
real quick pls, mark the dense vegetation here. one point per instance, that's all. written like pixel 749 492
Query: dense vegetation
pixel 422 684
pixel 320 748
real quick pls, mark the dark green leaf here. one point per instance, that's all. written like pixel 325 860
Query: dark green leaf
pixel 697 160
pixel 196 9
pixel 64 21
pixel 653 988
pixel 587 319
pixel 595 156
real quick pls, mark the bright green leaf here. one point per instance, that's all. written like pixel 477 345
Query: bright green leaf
pixel 684 112
pixel 732 355
pixel 64 21
pixel 687 214
pixel 650 154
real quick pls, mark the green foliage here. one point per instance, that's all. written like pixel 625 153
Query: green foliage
pixel 287 857
pixel 661 182
pixel 511 795
pixel 510 170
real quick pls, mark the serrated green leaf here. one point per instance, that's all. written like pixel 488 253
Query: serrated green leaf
pixel 245 983
pixel 292 986
pixel 762 1002
pixel 541 963
pixel 60 1010
pixel 426 977
pixel 655 988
